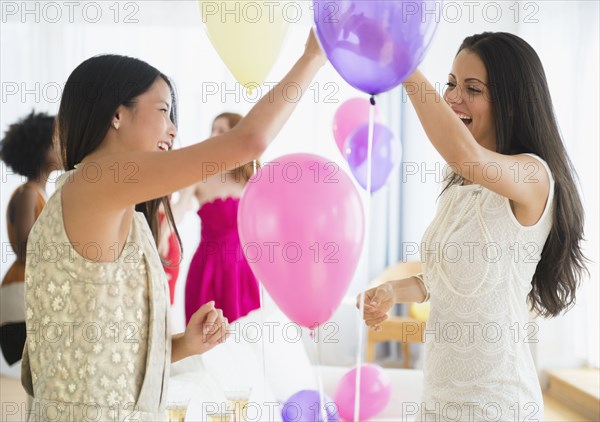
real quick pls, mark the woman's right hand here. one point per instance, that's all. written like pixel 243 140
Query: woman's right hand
pixel 378 302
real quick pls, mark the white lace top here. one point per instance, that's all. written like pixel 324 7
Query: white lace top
pixel 478 263
pixel 97 341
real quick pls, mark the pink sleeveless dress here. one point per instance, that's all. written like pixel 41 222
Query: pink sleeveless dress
pixel 219 271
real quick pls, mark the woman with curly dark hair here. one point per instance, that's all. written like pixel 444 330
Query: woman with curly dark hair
pixel 26 148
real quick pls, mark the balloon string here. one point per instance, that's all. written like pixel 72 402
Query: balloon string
pixel 370 153
pixel 262 343
pixel 359 357
pixel 322 403
pixel 261 298
pixel 367 249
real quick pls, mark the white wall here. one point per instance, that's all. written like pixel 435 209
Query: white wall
pixel 571 60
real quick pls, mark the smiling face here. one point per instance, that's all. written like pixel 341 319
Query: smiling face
pixel 145 124
pixel 468 94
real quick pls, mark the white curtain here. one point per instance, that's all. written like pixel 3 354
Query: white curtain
pixel 566 39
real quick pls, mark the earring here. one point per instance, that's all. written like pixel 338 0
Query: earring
pixel 116 124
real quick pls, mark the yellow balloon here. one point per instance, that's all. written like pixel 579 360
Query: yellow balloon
pixel 247 34
pixel 419 311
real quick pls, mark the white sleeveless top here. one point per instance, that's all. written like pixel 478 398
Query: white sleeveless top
pixel 97 341
pixel 478 263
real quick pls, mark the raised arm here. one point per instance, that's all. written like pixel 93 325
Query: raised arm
pixel 155 174
pixel 520 178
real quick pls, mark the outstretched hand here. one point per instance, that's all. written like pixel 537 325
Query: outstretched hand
pixel 378 302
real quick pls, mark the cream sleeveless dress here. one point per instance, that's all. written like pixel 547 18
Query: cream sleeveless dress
pixel 478 262
pixel 97 342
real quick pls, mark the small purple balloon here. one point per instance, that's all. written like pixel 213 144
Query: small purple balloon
pixel 304 406
pixel 376 44
pixel 385 154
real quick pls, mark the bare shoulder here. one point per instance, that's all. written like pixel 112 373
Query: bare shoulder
pixel 536 177
pixel 23 197
pixel 90 220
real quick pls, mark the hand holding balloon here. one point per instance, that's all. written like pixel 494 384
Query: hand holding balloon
pixel 378 302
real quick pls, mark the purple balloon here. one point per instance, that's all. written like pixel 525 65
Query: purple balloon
pixel 304 406
pixel 375 44
pixel 385 154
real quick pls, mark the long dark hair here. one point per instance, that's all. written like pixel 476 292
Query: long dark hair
pixel 525 123
pixel 92 94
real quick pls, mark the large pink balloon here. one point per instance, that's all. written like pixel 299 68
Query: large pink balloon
pixel 348 117
pixel 301 224
pixel 375 392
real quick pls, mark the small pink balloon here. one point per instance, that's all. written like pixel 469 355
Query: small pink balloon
pixel 375 392
pixel 348 117
pixel 301 224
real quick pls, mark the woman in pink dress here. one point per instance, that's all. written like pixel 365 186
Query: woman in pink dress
pixel 219 270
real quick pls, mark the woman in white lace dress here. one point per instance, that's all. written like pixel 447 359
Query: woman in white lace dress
pixel 98 346
pixel 505 239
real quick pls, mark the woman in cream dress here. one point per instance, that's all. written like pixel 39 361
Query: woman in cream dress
pixel 98 346
pixel 506 238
